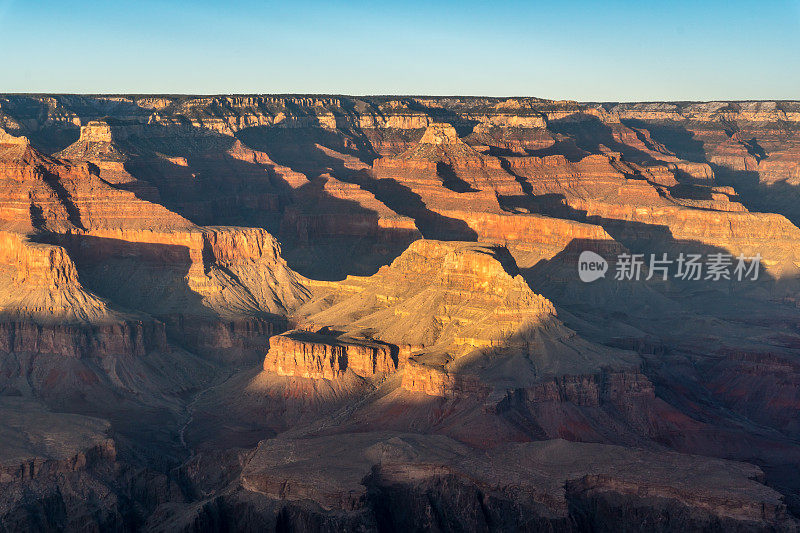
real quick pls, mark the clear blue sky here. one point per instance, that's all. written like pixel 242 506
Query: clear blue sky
pixel 613 50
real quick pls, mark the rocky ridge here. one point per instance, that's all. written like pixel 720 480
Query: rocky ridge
pixel 256 295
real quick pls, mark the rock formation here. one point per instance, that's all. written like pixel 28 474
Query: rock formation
pixel 414 482
pixel 437 294
pixel 340 313
pixel 317 355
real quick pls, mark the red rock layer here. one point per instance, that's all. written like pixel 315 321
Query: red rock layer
pixel 314 355
pixel 454 294
pixel 447 173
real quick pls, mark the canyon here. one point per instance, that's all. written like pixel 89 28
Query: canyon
pixel 342 313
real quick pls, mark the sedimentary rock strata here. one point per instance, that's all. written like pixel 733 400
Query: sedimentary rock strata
pixel 438 293
pixel 320 355
pixel 64 472
pixel 402 479
pixel 306 312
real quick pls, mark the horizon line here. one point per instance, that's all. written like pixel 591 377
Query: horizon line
pixel 340 95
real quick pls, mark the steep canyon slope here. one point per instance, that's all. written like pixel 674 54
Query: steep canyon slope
pixel 340 313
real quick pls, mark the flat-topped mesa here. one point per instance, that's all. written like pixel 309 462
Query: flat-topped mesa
pixel 217 289
pixel 324 355
pixel 99 145
pixel 440 133
pixel 214 271
pixel 230 244
pixel 99 131
pixel 461 268
pixel 511 135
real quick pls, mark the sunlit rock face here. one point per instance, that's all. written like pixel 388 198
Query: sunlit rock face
pixel 320 356
pixel 365 313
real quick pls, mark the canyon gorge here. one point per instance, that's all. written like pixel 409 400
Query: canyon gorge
pixel 334 313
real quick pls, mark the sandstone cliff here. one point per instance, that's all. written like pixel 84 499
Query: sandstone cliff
pixel 383 292
pixel 319 355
